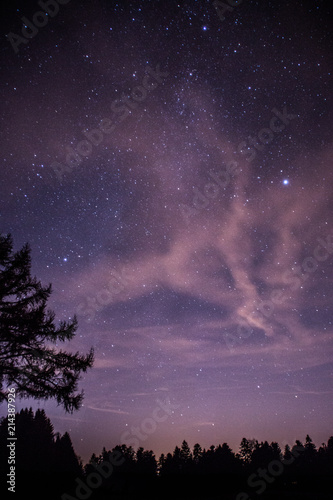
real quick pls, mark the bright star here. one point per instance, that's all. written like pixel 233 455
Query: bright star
pixel 286 182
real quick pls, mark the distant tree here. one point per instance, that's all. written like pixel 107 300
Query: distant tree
pixel 287 453
pixel 185 453
pixel 161 461
pixel 225 458
pixel 145 462
pixel 310 447
pixel 139 454
pixel 26 331
pixel 309 457
pixel 176 459
pixel 208 457
pixel 67 462
pixel 104 455
pixel 325 457
pixel 297 447
pixel 330 444
pixel 93 459
pixel 276 450
pixel 265 453
pixel 127 452
pixel 197 453
pixel 246 449
pixel 42 435
pixel 166 464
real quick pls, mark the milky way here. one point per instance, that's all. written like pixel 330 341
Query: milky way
pixel 170 165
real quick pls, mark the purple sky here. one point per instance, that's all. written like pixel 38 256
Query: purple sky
pixel 194 239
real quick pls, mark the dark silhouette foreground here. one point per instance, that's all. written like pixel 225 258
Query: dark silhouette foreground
pixel 47 467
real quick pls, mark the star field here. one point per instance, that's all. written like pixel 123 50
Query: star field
pixel 171 171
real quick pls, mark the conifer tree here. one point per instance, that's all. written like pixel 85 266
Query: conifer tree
pixel 28 359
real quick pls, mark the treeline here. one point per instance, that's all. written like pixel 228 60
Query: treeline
pixel 48 467
pixel 259 468
pixel 44 460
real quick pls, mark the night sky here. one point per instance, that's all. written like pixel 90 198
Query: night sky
pixel 171 167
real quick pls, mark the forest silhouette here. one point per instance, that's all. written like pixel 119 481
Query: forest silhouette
pixel 48 467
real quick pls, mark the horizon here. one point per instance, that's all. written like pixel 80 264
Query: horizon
pixel 179 444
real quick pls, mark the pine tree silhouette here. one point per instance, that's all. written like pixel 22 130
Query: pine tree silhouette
pixel 27 360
